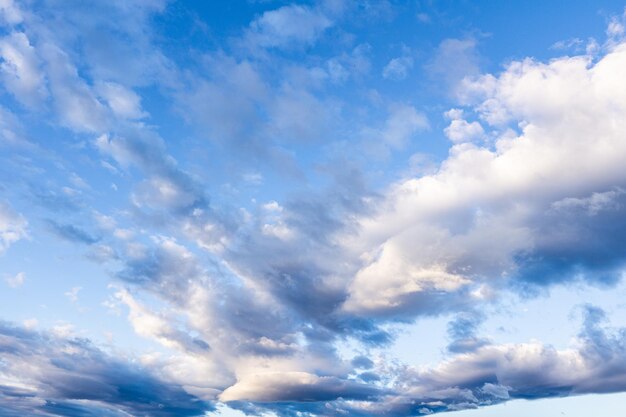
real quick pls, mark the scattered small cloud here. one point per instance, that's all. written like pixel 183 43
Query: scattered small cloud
pixel 16 280
pixel 72 294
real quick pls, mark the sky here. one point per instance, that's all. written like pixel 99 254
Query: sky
pixel 300 209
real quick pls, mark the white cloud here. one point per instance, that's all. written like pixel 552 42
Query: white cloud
pixel 454 60
pixel 402 124
pixel 460 130
pixel 393 276
pixel 226 105
pixel 123 102
pixel 13 227
pixel 615 29
pixel 76 104
pixel 30 323
pixel 488 204
pixel 297 115
pixel 161 191
pixel 294 386
pixel 346 65
pixel 398 68
pixel 274 223
pixel 10 129
pixel 10 12
pixel 72 294
pixel 288 26
pixel 17 280
pixel 160 327
pixel 64 330
pixel 21 73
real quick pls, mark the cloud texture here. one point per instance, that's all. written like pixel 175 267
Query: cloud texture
pixel 274 301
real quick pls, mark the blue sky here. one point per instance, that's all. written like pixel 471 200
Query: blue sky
pixel 364 208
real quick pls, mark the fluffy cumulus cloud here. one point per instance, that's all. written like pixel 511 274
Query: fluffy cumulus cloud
pixel 489 216
pixel 276 302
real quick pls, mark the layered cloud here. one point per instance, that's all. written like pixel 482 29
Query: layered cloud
pixel 48 375
pixel 276 303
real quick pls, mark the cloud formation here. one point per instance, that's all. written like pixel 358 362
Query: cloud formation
pixel 488 218
pixel 287 26
pixel 277 300
pixel 47 375
pixel 13 227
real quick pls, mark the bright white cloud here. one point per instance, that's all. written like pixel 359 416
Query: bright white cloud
pixel 487 205
pixel 13 227
pixel 283 386
pixel 460 130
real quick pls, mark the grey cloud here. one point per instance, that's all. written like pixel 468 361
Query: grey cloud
pixel 229 316
pixel 496 373
pixel 298 409
pixel 72 233
pixel 463 332
pixel 166 268
pixel 243 105
pixel 39 64
pixel 276 290
pixel 71 377
pixel 54 200
pixel 169 195
pixel 581 239
pixel 171 188
pixel 362 362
